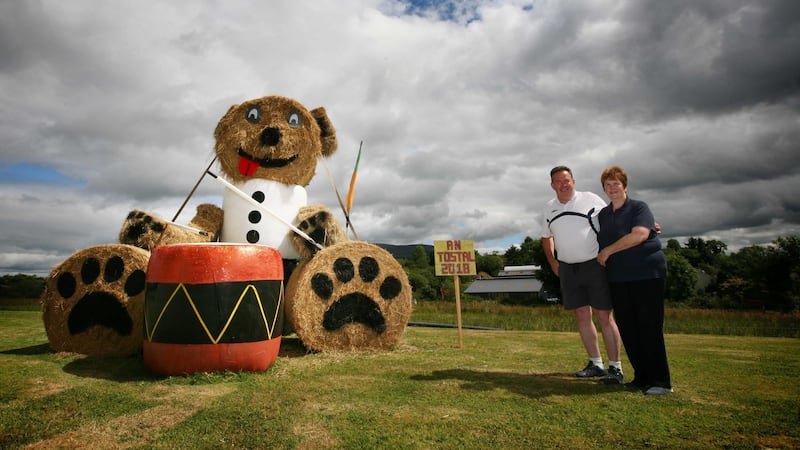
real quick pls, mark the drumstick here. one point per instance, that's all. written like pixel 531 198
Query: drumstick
pixel 244 196
pixel 186 227
pixel 193 189
pixel 185 201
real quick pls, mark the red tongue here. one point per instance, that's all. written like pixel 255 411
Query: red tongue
pixel 247 167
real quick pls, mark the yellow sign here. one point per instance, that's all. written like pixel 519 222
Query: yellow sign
pixel 454 258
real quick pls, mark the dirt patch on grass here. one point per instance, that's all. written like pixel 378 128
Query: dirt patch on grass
pixel 44 388
pixel 193 395
pixel 123 432
pixel 747 355
pixel 315 433
pixel 315 436
pixel 141 428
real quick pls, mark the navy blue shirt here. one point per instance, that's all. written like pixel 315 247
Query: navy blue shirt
pixel 642 262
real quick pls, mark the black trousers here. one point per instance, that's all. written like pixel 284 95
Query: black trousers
pixel 639 312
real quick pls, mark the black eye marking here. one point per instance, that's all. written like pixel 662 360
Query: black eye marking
pixel 295 119
pixel 254 114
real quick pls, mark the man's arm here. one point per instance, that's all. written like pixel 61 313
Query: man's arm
pixel 549 252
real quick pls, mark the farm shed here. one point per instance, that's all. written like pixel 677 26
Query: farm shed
pixel 516 283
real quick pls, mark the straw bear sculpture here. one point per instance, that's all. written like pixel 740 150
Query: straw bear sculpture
pixel 340 295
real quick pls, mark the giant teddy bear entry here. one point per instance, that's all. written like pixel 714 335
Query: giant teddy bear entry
pixel 216 290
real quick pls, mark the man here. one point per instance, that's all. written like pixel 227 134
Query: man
pixel 569 240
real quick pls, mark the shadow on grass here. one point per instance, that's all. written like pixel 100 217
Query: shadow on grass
pixel 533 385
pixel 132 369
pixel 39 349
pixel 123 370
pixel 292 347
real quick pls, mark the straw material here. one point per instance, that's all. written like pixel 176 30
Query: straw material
pixel 93 302
pixel 208 218
pixel 242 131
pixel 320 224
pixel 351 296
pixel 147 231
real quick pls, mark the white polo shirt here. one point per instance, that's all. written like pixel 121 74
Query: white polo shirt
pixel 574 239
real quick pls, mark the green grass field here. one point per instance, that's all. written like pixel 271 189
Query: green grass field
pixel 555 318
pixel 504 389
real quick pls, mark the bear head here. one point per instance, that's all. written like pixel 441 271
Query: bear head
pixel 273 138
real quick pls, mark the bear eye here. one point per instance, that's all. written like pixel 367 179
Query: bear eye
pixel 295 119
pixel 253 114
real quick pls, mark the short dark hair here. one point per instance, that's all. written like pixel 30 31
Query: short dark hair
pixel 557 169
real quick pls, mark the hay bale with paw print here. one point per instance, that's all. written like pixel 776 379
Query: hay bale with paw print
pixel 349 297
pixel 93 301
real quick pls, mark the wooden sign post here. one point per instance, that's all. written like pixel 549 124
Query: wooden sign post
pixel 455 258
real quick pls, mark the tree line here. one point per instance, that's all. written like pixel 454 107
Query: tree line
pixel 701 274
pixel 21 286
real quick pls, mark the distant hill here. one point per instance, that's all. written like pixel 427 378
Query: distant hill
pixel 405 251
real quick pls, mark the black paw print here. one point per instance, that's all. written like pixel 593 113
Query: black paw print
pixel 140 224
pixel 99 305
pixel 354 307
pixel 314 227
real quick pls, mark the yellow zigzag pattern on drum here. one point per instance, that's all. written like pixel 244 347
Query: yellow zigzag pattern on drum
pixel 214 340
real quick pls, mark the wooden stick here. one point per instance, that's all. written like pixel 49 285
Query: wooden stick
pixel 457 287
pixel 348 224
pixel 194 189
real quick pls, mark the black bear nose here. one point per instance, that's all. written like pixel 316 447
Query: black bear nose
pixel 270 136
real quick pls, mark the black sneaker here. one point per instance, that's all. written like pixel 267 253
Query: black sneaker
pixel 591 370
pixel 635 384
pixel 614 376
pixel 658 390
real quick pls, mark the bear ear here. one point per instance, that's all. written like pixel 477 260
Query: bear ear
pixel 327 132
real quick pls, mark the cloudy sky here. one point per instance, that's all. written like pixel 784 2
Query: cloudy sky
pixel 462 107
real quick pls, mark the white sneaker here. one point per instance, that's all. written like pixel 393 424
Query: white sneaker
pixel 657 390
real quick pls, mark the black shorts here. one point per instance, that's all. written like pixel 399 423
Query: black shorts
pixel 584 284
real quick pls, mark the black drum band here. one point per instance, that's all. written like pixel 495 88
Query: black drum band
pixel 213 313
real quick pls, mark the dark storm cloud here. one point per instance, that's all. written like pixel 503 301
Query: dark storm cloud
pixel 650 60
pixel 758 145
pixel 712 57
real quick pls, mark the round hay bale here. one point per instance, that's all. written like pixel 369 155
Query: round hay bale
pixel 350 296
pixel 93 301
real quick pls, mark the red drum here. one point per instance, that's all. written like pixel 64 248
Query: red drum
pixel 212 307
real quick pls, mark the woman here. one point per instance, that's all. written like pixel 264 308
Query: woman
pixel 637 272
